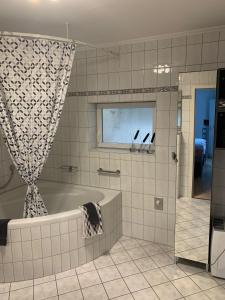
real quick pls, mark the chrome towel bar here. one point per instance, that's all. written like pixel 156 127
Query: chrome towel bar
pixel 69 168
pixel 108 172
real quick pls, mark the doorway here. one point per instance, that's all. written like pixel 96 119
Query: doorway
pixel 205 99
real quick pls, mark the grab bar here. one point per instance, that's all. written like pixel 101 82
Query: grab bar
pixel 69 168
pixel 108 172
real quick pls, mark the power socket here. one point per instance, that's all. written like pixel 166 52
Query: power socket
pixel 158 203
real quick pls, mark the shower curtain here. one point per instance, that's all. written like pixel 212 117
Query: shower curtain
pixel 34 75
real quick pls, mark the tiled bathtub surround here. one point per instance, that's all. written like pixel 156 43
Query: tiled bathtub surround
pixel 151 64
pixel 47 245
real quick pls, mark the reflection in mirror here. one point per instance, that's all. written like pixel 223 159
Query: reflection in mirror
pixel 196 108
pixel 205 100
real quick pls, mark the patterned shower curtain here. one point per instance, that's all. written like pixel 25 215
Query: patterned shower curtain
pixel 34 75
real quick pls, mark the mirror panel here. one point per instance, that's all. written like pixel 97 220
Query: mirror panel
pixel 194 167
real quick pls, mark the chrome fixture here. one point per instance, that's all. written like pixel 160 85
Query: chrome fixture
pixel 108 172
pixel 142 147
pixel 133 149
pixel 12 169
pixel 69 168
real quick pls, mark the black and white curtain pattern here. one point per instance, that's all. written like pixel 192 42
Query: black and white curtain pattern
pixel 34 75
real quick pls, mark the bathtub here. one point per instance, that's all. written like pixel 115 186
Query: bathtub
pixel 47 245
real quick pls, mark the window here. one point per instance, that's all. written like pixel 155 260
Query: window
pixel 117 123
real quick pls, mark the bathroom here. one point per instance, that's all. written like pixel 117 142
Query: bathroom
pixel 138 70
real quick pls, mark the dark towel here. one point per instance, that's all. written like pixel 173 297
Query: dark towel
pixel 3 231
pixel 92 213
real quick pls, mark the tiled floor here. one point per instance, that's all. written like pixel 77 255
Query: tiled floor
pixel 133 270
pixel 192 229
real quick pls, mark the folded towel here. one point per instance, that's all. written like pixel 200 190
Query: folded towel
pixel 92 218
pixel 92 214
pixel 3 231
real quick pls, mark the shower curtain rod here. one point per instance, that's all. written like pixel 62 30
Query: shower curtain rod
pixel 52 38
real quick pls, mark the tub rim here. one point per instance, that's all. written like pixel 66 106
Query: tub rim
pixel 109 194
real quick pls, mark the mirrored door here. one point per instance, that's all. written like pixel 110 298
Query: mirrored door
pixel 194 172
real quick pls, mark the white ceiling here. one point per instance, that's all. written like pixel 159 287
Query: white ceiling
pixel 110 21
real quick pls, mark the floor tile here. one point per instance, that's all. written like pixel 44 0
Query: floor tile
pixel 88 279
pixel 145 264
pixel 96 292
pixel 45 290
pixel 146 294
pixel 136 282
pixel 204 281
pixel 116 248
pixel 186 286
pixel 75 295
pixel 198 296
pixel 167 291
pixel 216 293
pixel 143 242
pixel 25 294
pixel 152 249
pixel 136 253
pixel 109 273
pixel 125 297
pixel 5 296
pixel 166 248
pixel 86 268
pixel 155 277
pixel 67 284
pixel 68 273
pixel 120 257
pixel 44 279
pixel 20 285
pixel 128 268
pixel 162 260
pixel 129 244
pixel 173 272
pixel 103 261
pixel 116 288
pixel 4 287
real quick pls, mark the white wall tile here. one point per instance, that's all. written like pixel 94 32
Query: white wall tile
pixel 194 55
pixel 209 53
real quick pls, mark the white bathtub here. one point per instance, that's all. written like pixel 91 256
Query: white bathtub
pixel 50 244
